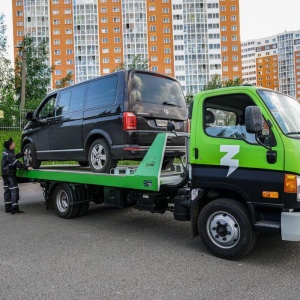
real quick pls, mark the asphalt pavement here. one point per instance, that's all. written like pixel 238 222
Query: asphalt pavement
pixel 127 254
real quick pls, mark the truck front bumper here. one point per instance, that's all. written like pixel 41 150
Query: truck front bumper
pixel 290 226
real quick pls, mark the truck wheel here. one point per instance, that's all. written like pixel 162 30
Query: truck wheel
pixel 63 202
pixel 30 160
pixel 225 229
pixel 100 160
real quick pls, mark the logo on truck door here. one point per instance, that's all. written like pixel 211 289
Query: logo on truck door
pixel 227 159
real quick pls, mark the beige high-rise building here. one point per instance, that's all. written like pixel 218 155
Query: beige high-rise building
pixel 187 39
pixel 274 62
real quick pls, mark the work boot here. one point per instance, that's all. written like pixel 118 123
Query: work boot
pixel 16 211
pixel 8 210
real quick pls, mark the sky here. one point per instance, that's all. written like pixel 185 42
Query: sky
pixel 258 18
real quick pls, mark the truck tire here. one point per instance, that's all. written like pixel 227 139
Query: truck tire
pixel 31 160
pixel 100 160
pixel 225 229
pixel 63 202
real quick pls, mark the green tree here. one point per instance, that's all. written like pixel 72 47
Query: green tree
pixel 64 82
pixel 38 71
pixel 216 83
pixel 138 63
pixel 189 96
pixel 7 91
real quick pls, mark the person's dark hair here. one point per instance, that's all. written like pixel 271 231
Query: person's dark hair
pixel 8 143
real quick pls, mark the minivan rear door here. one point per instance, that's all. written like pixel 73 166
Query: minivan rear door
pixel 156 99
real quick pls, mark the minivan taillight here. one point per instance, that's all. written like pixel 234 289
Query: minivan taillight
pixel 129 121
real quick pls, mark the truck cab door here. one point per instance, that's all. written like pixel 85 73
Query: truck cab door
pixel 222 151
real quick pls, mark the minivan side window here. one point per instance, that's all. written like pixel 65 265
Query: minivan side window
pixel 47 110
pixel 72 100
pixel 101 92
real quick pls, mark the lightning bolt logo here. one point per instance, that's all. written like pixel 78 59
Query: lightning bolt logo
pixel 227 160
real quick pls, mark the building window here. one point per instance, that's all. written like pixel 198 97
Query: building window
pixel 67 1
pixel 55 12
pixel 68 31
pixel 224 48
pixel 57 62
pixel 233 18
pixel 152 28
pixel 224 38
pixel 234 28
pixel 104 20
pixel 153 48
pixel 104 10
pixel 167 30
pixel 153 58
pixel 105 71
pixel 56 42
pixel 69 62
pixel 105 50
pixel 19 3
pixel 232 7
pixel 55 2
pixel 20 33
pixel 154 69
pixel 152 18
pixel 153 38
pixel 19 13
pixel 116 20
pixel 166 20
pixel 223 8
pixel 105 60
pixel 234 38
pixel 225 69
pixel 167 60
pixel 167 50
pixel 235 58
pixel 151 8
pixel 168 71
pixel 165 10
pixel 56 31
pixel 69 42
pixel 118 60
pixel 223 18
pixel 55 22
pixel 223 28
pixel 235 68
pixel 117 40
pixel 167 41
pixel 234 48
pixel 105 40
pixel 69 51
pixel 20 23
pixel 117 29
pixel 57 72
pixel 117 50
pixel 56 52
pixel 67 11
pixel 116 9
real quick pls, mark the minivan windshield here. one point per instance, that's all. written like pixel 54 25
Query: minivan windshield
pixel 285 110
pixel 156 89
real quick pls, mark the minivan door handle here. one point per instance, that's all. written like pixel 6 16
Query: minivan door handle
pixel 196 153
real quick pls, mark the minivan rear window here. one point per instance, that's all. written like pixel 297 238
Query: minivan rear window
pixel 102 92
pixel 148 88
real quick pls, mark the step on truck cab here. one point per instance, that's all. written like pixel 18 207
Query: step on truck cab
pixel 245 171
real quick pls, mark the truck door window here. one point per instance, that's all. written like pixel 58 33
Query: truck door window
pixel 224 117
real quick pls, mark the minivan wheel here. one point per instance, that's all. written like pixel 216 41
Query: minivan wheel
pixel 100 160
pixel 30 159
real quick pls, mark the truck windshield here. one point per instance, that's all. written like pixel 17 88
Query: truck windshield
pixel 285 110
pixel 156 89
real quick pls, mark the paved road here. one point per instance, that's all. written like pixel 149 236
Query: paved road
pixel 126 254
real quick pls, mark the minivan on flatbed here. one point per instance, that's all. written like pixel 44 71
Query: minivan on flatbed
pixel 106 119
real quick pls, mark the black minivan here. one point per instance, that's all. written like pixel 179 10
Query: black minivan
pixel 106 119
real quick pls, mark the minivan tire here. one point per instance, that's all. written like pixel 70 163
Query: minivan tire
pixel 31 160
pixel 99 158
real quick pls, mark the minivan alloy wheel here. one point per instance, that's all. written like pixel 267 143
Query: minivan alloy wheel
pixel 98 156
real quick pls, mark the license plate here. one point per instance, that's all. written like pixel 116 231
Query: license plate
pixel 161 123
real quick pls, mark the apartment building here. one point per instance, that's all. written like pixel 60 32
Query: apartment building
pixel 273 62
pixel 187 39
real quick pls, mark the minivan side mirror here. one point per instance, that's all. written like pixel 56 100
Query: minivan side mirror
pixel 29 116
pixel 170 126
pixel 253 119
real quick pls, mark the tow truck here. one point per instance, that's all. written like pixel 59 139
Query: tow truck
pixel 240 176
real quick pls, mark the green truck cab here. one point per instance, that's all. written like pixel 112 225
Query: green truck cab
pixel 245 171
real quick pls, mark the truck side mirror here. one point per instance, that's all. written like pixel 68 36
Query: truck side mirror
pixel 253 119
pixel 170 126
